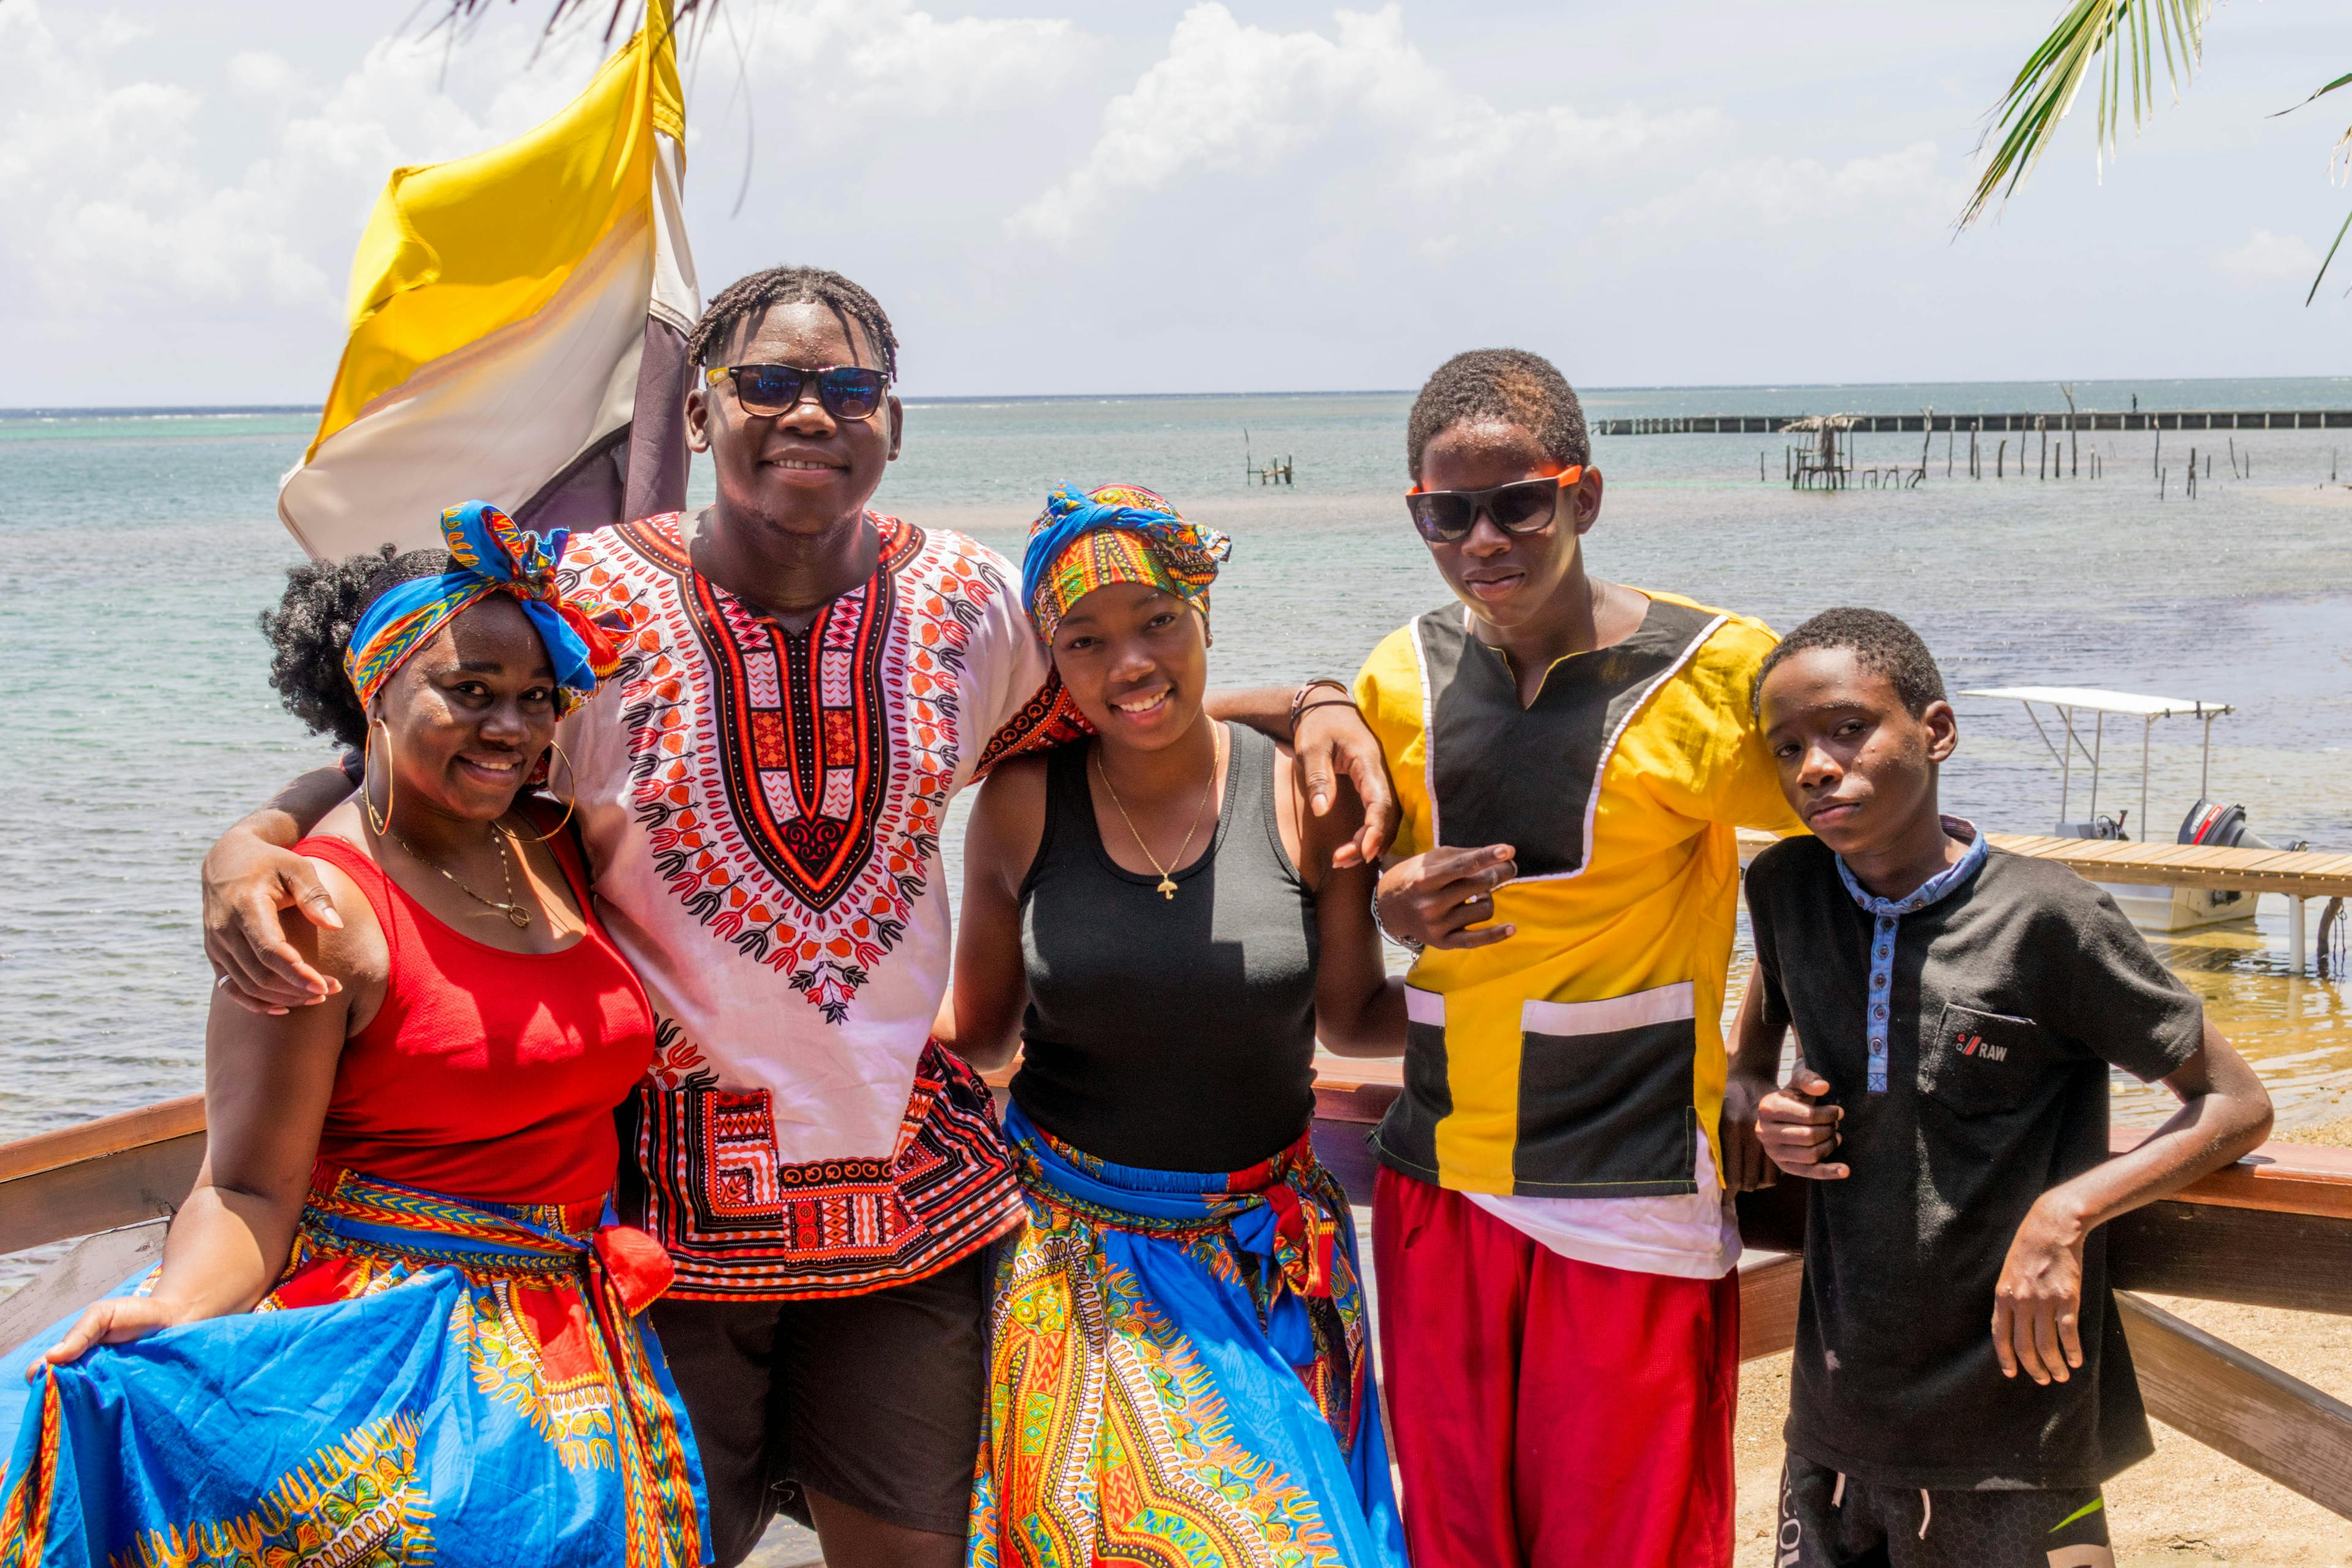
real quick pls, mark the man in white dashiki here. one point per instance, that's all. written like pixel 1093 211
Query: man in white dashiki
pixel 762 788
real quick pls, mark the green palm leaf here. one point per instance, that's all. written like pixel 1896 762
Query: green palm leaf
pixel 2341 153
pixel 2116 41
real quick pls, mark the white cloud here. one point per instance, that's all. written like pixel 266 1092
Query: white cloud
pixel 115 210
pixel 838 72
pixel 1228 96
pixel 258 73
pixel 2268 257
pixel 1201 198
pixel 1903 189
pixel 111 210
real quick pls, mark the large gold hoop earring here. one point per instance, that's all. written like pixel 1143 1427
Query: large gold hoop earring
pixel 568 800
pixel 382 825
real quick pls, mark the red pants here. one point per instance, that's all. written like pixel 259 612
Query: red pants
pixel 1547 1413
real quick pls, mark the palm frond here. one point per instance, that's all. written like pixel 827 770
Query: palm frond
pixel 2340 153
pixel 2325 259
pixel 2315 98
pixel 2114 40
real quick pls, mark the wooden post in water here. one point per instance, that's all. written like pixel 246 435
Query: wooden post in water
pixel 2043 424
pixel 2191 489
pixel 1948 449
pixel 2000 461
pixel 2157 462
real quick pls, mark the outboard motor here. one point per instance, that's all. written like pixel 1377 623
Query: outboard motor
pixel 2224 827
pixel 2100 826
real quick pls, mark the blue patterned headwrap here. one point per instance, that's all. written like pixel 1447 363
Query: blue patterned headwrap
pixel 1121 533
pixel 489 554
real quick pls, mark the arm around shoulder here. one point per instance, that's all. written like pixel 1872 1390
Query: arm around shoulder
pixel 251 875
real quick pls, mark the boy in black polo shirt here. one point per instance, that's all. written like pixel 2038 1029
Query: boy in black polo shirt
pixel 1957 1009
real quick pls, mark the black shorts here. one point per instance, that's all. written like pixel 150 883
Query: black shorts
pixel 873 1400
pixel 1829 1520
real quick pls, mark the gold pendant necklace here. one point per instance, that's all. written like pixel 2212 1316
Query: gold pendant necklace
pixel 517 916
pixel 1166 885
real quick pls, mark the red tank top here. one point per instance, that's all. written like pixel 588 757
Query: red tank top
pixel 485 1073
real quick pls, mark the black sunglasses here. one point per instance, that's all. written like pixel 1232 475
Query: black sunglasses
pixel 1523 506
pixel 845 391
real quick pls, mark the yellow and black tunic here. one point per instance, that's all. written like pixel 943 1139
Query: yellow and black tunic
pixel 1583 1057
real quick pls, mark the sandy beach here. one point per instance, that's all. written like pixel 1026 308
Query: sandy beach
pixel 2186 1507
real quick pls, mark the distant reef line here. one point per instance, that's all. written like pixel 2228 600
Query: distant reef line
pixel 190 411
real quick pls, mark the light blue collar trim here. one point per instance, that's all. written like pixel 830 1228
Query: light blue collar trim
pixel 1886 917
pixel 1936 888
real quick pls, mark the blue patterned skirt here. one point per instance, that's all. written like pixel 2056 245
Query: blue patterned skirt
pixel 432 1381
pixel 1181 1373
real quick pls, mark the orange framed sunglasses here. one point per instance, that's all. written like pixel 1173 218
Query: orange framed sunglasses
pixel 1523 506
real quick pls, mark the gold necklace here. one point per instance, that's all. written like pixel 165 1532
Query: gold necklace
pixel 517 916
pixel 1166 885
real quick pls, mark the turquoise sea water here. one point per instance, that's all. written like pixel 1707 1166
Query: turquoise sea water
pixel 135 722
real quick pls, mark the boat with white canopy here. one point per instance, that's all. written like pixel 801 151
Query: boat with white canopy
pixel 2074 731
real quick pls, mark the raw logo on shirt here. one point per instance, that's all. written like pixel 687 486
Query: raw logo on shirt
pixel 1979 1046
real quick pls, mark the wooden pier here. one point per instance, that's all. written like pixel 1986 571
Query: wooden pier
pixel 2088 420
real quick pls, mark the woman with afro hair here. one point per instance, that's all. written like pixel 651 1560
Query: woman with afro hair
pixel 393 1314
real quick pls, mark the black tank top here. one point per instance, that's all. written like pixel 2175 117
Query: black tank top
pixel 1172 1034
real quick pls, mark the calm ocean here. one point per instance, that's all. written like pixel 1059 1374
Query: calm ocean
pixel 135 722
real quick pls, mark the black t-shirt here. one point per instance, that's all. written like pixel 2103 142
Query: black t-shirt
pixel 2009 999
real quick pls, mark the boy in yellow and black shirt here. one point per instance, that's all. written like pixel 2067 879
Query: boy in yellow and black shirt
pixel 1552 1226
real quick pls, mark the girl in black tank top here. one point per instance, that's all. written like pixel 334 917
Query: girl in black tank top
pixel 1200 1057
pixel 1153 917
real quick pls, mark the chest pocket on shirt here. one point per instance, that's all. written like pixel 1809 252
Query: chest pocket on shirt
pixel 1980 1064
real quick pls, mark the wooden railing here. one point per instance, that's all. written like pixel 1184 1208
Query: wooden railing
pixel 2273 1230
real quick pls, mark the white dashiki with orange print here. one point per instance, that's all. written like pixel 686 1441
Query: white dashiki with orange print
pixel 764 809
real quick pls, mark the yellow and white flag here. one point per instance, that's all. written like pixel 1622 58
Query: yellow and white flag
pixel 517 329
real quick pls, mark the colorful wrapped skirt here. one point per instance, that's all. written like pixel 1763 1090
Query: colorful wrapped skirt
pixel 1181 1373
pixel 433 1381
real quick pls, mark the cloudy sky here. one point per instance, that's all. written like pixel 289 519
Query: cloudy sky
pixel 1146 196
